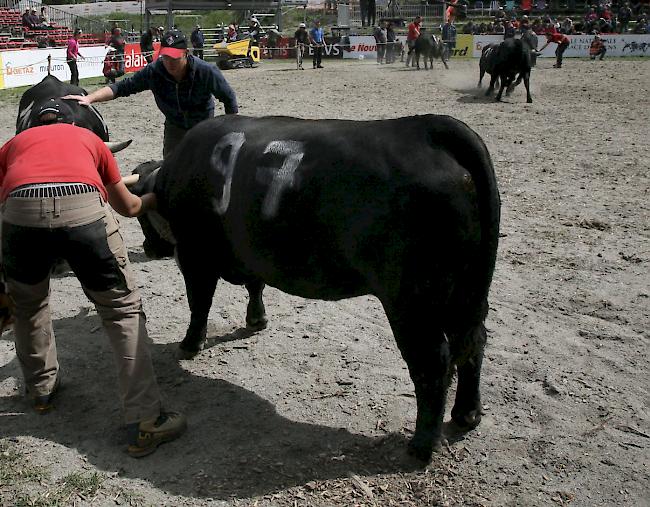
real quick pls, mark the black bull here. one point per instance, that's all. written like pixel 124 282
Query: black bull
pixel 332 209
pixel 52 88
pixel 507 60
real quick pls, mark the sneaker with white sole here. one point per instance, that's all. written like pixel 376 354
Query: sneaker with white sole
pixel 145 437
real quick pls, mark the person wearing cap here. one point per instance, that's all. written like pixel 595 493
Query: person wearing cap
pixel 182 85
pixel 317 40
pixel 302 40
pixel 56 207
pixel 562 42
pixel 198 40
pixel 72 54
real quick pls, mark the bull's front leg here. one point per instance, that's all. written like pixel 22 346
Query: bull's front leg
pixel 505 82
pixel 255 312
pixel 201 276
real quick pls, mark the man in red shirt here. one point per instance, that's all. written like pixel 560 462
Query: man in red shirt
pixel 412 36
pixel 562 42
pixel 54 205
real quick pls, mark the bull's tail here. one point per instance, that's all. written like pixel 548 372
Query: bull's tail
pixel 471 153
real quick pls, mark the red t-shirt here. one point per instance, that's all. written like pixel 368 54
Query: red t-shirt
pixel 414 31
pixel 559 38
pixel 60 153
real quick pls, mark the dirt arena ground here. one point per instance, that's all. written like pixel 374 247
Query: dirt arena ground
pixel 315 409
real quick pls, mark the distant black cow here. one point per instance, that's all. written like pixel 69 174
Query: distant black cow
pixel 332 209
pixel 506 61
pixel 52 88
pixel 430 47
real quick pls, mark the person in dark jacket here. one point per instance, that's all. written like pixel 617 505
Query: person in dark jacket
pixel 182 85
pixel 146 44
pixel 119 44
pixel 198 40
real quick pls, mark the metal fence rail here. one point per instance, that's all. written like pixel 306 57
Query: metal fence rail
pixel 431 14
pixel 57 16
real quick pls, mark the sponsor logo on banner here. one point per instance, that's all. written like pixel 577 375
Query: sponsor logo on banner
pixel 28 67
pixel 359 47
pixel 463 47
pixel 133 59
pixel 617 45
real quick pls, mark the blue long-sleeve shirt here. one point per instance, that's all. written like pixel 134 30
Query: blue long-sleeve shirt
pixel 184 103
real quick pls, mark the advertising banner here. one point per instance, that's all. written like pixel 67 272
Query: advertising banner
pixel 27 67
pixel 463 49
pixel 617 45
pixel 134 59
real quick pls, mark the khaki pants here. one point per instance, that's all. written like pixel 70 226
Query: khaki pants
pixel 83 231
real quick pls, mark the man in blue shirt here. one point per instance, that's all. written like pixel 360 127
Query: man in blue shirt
pixel 182 85
pixel 449 38
pixel 317 40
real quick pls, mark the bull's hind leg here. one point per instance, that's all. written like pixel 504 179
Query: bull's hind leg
pixel 255 312
pixel 201 276
pixel 467 353
pixel 425 349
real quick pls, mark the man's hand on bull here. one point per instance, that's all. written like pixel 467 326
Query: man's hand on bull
pixel 81 99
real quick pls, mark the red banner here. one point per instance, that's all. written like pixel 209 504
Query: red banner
pixel 134 60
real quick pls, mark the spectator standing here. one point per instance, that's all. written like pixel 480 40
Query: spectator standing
pixel 146 44
pixel 597 48
pixel 562 42
pixel 302 40
pixel 449 38
pixel 182 85
pixel 624 17
pixel 363 7
pixel 381 40
pixel 72 54
pixel 412 36
pixel 372 12
pixel 118 43
pixel 272 40
pixel 58 202
pixel 391 38
pixel 231 35
pixel 508 30
pixel 317 40
pixel 198 41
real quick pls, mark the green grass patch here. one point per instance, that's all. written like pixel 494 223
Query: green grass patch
pixel 23 484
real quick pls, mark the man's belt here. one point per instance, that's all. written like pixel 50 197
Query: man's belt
pixel 41 190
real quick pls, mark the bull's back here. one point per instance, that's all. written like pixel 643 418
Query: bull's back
pixel 307 202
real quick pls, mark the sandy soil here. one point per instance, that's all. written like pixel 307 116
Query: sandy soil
pixel 315 409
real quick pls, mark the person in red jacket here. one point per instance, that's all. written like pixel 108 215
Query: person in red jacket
pixel 562 42
pixel 412 36
pixel 55 205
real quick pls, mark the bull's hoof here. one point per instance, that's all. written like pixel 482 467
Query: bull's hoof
pixel 467 421
pixel 530 101
pixel 157 250
pixel 423 450
pixel 189 349
pixel 257 324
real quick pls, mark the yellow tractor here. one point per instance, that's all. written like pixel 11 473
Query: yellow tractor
pixel 237 55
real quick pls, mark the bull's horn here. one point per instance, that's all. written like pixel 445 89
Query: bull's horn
pixel 115 147
pixel 131 180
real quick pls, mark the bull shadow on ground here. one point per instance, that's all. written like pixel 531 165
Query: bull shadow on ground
pixel 477 96
pixel 237 443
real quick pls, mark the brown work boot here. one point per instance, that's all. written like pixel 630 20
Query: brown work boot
pixel 145 437
pixel 43 404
